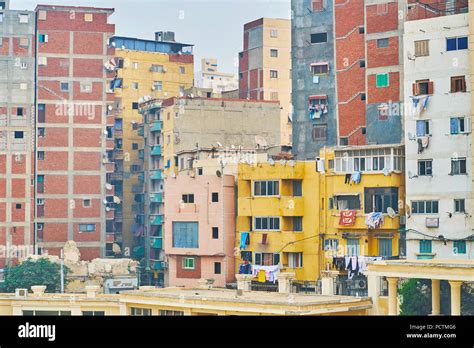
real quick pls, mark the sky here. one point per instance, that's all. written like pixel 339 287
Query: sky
pixel 215 27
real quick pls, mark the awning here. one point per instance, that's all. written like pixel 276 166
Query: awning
pixel 321 96
pixel 347 194
pixel 319 63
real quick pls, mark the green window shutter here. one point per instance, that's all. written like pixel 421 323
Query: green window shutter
pixel 381 80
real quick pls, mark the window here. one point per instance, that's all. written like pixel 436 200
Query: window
pixel 318 5
pixel 319 38
pixel 319 132
pixel 140 311
pixel 385 247
pixel 382 9
pixel 273 53
pixel 267 224
pixel 86 203
pixel 40 155
pixel 423 128
pixel 24 42
pixel 181 90
pixel 425 246
pixel 20 111
pixel 267 259
pixel 297 188
pixel 319 68
pixel 273 74
pixel 217 268
pixel 425 167
pixel 344 202
pixel 18 206
pixel 422 87
pixel 274 33
pixel 86 227
pixel 458 166
pixel 43 38
pixel 459 205
pixel 1 19
pixel 331 244
pixel 380 199
pixel 382 43
pixel 134 146
pixel 369 160
pixel 215 233
pixel 459 247
pixel 266 188
pixel 88 17
pixel 85 87
pixel 274 96
pixel 171 313
pixel 297 223
pixel 157 68
pixel 456 43
pixel 353 247
pixel 93 313
pixel 422 48
pixel 381 80
pixel 23 18
pixel 42 61
pixel 215 197
pixel 64 86
pixel 458 84
pixel 187 198
pixel 182 70
pixel 424 207
pixel 135 106
pixel 458 125
pixel 189 263
pixel 42 15
pixel 185 235
pixel 135 85
pixel 295 260
pixel 158 86
pixel 18 135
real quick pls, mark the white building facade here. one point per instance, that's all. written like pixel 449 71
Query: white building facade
pixel 438 138
pixel 211 77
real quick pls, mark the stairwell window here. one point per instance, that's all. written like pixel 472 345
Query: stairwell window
pixel 382 43
pixel 318 5
pixel 458 84
pixel 459 205
pixel 86 227
pixel 458 166
pixel 319 132
pixel 273 74
pixel 273 53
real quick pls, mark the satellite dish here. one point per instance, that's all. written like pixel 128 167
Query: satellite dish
pixel 271 162
pixel 105 201
pixel 219 144
pixel 391 212
pixel 291 163
pixel 107 208
pixel 386 172
pixel 410 136
pixel 116 248
pixel 218 173
pixel 260 141
pixel 410 174
pixel 282 162
pixel 410 56
pixel 173 175
pixel 108 187
pixel 117 200
pixel 109 107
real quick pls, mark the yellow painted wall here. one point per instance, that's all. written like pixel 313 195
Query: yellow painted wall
pixel 172 80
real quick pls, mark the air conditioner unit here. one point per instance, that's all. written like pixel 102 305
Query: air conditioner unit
pixel 21 292
pixel 164 69
pixel 403 220
pixel 164 264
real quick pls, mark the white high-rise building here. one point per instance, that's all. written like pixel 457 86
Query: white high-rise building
pixel 211 77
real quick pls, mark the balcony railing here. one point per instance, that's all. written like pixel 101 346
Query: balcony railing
pixel 157 220
pixel 157 175
pixel 157 126
pixel 156 150
pixel 156 197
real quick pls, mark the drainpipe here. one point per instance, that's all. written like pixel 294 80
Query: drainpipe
pixel 223 223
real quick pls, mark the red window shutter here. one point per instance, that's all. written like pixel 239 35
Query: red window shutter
pixel 430 87
pixel 415 88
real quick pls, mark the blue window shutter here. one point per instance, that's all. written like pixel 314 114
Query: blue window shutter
pixel 454 126
pixel 451 44
pixel 420 128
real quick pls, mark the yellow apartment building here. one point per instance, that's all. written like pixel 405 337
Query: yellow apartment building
pixel 292 212
pixel 146 69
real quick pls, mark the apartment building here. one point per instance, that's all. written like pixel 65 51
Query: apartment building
pixel 200 229
pixel 210 77
pixel 438 128
pixel 265 67
pixel 347 74
pixel 74 128
pixel 145 69
pixel 17 137
pixel 173 127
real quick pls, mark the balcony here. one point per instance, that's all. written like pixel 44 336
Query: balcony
pixel 118 154
pixel 159 265
pixel 388 224
pixel 156 151
pixel 141 177
pixel 141 154
pixel 156 242
pixel 156 197
pixel 117 176
pixel 137 188
pixel 157 220
pixel 187 208
pixel 275 206
pixel 157 126
pixel 157 175
pixel 141 131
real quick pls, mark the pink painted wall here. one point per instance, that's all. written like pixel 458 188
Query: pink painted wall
pixel 208 214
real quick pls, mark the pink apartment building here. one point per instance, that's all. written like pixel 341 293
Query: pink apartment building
pixel 200 229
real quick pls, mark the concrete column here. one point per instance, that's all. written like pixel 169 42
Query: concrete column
pixel 206 283
pixel 392 295
pixel 373 288
pixel 327 282
pixel 455 297
pixel 244 282
pixel 38 290
pixel 435 298
pixel 284 282
pixel 92 290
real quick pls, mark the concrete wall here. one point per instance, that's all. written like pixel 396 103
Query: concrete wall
pixel 17 71
pixel 438 67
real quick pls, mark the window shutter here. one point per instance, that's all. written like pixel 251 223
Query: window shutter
pixel 453 84
pixel 415 88
pixel 430 87
pixel 467 125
